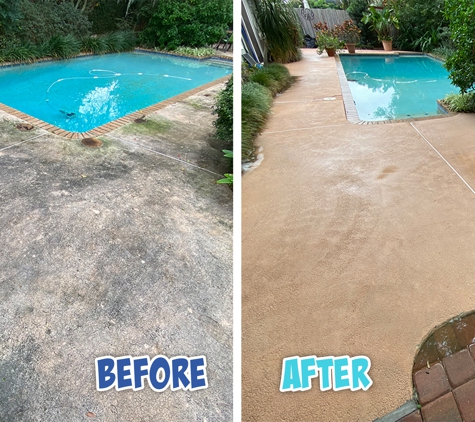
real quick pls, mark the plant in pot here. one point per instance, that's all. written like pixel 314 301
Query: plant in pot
pixel 382 21
pixel 349 33
pixel 326 39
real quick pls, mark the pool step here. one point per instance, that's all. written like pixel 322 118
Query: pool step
pixel 226 64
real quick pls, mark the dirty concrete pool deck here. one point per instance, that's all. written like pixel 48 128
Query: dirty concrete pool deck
pixel 357 240
pixel 119 250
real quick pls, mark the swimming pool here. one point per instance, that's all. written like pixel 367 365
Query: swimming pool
pixel 390 87
pixel 80 94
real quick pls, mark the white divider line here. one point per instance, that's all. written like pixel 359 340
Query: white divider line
pixel 164 155
pixel 22 142
pixel 440 155
pixel 303 128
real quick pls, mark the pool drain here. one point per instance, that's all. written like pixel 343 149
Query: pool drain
pixel 91 142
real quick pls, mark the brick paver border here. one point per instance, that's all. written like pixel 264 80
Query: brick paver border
pixel 349 103
pixel 108 127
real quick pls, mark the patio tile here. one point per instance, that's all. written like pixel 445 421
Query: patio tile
pixel 431 383
pixel 459 367
pixel 444 409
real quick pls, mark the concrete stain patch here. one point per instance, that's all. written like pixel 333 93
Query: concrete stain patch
pixel 112 251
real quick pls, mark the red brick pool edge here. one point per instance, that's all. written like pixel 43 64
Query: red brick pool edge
pixel 108 127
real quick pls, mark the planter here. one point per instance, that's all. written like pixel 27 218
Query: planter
pixel 388 45
pixel 331 52
pixel 351 48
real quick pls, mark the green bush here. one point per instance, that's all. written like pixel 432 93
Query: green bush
pixel 275 77
pixel 462 103
pixel 256 102
pixel 94 45
pixel 196 52
pixel 224 110
pixel 61 47
pixel 461 16
pixel 106 15
pixel 193 23
pixel 422 24
pixel 45 19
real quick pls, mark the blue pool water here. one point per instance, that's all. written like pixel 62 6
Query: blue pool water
pixel 80 94
pixel 392 87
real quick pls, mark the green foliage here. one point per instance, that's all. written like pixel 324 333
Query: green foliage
pixel 196 52
pixel 422 24
pixel 462 103
pixel 61 47
pixel 256 102
pixel 461 64
pixel 443 53
pixel 228 180
pixel 381 21
pixel 93 45
pixel 274 77
pixel 9 16
pixel 107 15
pixel 193 23
pixel 224 110
pixel 322 4
pixel 228 177
pixel 45 19
pixel 356 9
pixel 281 29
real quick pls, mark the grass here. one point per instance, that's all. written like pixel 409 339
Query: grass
pixel 460 103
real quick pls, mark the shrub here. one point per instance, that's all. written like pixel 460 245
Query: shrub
pixel 106 16
pixel 194 23
pixel 421 24
pixel 224 110
pixel 463 103
pixel 94 45
pixel 196 52
pixel 61 47
pixel 275 77
pixel 45 19
pixel 256 102
pixel 281 29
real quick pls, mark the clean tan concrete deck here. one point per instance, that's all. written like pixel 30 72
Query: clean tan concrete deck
pixel 357 240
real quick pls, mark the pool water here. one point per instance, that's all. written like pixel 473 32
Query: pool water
pixel 82 93
pixel 396 87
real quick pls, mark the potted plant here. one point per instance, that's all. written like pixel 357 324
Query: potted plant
pixel 382 21
pixel 349 33
pixel 326 39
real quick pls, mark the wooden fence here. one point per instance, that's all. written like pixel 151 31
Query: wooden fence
pixel 308 17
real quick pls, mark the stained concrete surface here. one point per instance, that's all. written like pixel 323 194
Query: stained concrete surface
pixel 114 251
pixel 357 240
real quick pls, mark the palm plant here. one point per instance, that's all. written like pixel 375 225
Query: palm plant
pixel 278 22
pixel 381 21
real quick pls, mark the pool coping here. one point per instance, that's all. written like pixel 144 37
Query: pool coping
pixel 114 124
pixel 349 103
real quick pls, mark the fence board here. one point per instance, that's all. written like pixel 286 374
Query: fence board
pixel 331 16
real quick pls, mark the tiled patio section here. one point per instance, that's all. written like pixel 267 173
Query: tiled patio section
pixel 444 373
pixel 108 127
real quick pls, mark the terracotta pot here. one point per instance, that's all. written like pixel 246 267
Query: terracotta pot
pixel 330 51
pixel 388 45
pixel 351 48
